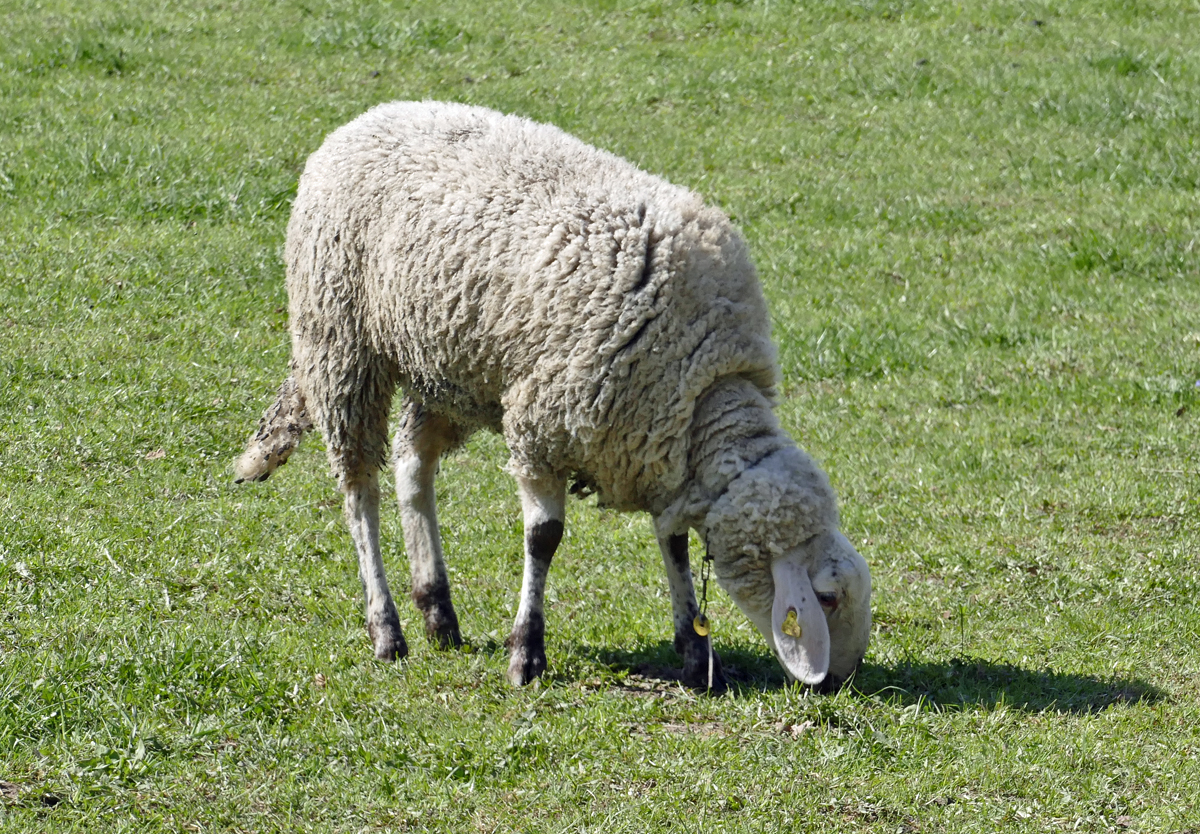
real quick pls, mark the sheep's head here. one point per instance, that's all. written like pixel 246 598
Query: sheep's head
pixel 778 553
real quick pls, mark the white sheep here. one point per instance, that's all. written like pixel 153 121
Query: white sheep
pixel 610 325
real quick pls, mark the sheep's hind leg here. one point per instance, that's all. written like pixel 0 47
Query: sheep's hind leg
pixel 421 440
pixel 362 514
pixel 544 503
pixel 349 398
pixel 692 647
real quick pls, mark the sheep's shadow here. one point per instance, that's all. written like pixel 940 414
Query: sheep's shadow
pixel 652 666
pixel 964 682
pixel 959 683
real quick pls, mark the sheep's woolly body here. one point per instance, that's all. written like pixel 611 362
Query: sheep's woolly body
pixel 509 276
pixel 512 277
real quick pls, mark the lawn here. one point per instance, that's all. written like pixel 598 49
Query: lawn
pixel 977 227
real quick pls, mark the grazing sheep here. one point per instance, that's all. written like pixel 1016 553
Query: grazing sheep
pixel 608 324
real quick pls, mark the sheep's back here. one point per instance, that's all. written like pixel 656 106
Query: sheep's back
pixel 522 280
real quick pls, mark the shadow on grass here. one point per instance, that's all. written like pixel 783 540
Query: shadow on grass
pixel 964 682
pixel 960 683
pixel 655 666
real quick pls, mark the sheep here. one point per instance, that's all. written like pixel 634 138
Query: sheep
pixel 608 324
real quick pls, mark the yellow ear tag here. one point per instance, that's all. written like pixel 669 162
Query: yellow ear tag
pixel 700 624
pixel 791 626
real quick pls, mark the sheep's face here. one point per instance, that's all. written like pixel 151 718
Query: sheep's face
pixel 827 583
pixel 818 618
pixel 778 553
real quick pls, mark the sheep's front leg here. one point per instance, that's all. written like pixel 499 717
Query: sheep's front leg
pixel 693 648
pixel 362 514
pixel 544 503
pixel 420 442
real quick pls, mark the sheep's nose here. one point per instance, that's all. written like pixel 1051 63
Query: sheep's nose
pixel 830 684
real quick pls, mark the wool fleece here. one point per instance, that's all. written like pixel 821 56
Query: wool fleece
pixel 515 278
pixel 611 326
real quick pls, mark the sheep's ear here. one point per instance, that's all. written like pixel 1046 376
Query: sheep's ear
pixel 798 623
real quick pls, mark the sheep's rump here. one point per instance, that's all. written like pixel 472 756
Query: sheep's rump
pixel 513 277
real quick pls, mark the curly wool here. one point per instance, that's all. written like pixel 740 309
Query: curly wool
pixel 769 508
pixel 515 278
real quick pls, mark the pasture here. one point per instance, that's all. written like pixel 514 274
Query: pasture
pixel 977 227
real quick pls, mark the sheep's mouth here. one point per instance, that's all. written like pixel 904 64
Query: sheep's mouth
pixel 830 684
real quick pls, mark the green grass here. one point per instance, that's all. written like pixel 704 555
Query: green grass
pixel 977 227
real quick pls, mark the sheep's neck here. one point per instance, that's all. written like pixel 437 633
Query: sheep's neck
pixel 733 428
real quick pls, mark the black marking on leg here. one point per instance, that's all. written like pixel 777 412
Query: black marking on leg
pixel 690 646
pixel 677 549
pixel 695 661
pixel 542 539
pixel 527 642
pixel 685 634
pixel 441 622
pixel 387 637
pixel 527 648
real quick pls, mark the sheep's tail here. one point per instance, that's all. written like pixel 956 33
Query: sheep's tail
pixel 278 435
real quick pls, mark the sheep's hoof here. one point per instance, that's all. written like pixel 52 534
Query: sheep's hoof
pixel 695 666
pixel 444 636
pixel 525 665
pixel 696 677
pixel 527 651
pixel 388 640
pixel 441 623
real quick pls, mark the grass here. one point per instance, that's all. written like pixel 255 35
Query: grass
pixel 976 226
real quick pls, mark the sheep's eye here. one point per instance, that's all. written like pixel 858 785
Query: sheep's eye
pixel 828 601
